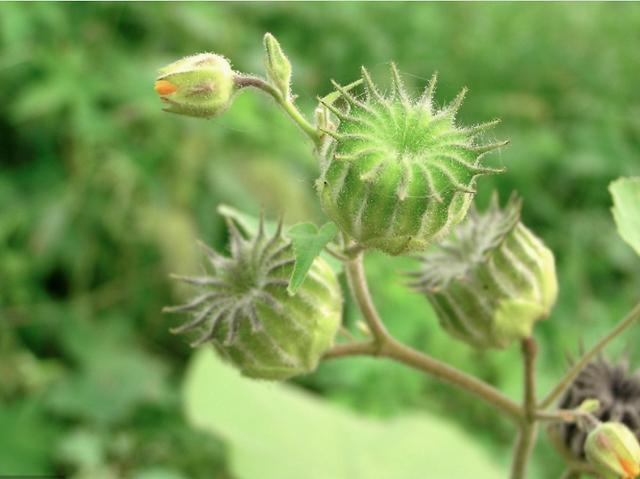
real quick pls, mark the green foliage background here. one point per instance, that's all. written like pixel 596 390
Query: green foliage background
pixel 102 195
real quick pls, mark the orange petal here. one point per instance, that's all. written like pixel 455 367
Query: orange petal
pixel 164 87
pixel 629 467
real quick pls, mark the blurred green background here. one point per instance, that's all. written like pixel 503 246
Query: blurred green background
pixel 102 195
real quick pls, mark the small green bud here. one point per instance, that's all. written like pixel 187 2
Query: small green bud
pixel 245 311
pixel 614 451
pixel 277 65
pixel 491 280
pixel 199 85
pixel 398 173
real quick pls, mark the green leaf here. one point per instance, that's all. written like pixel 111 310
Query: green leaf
pixel 626 209
pixel 275 431
pixel 308 243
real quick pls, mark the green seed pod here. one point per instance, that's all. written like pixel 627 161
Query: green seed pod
pixel 398 173
pixel 491 280
pixel 199 85
pixel 614 451
pixel 244 309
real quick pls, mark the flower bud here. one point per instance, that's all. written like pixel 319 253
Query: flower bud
pixel 199 85
pixel 277 65
pixel 245 311
pixel 491 280
pixel 398 173
pixel 614 451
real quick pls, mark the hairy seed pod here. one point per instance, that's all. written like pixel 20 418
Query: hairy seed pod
pixel 245 311
pixel 199 85
pixel 614 451
pixel 617 391
pixel 491 280
pixel 398 173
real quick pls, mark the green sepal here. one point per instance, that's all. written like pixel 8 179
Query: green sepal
pixel 277 66
pixel 335 95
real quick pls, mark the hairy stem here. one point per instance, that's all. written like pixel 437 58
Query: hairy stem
pixel 577 368
pixel 529 428
pixel 243 81
pixel 383 344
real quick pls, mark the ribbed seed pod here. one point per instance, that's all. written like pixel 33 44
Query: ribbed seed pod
pixel 616 389
pixel 244 309
pixel 491 280
pixel 397 173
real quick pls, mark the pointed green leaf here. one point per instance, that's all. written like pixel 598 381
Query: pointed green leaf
pixel 626 209
pixel 308 243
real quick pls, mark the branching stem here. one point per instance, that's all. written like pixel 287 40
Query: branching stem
pixel 384 345
pixel 243 81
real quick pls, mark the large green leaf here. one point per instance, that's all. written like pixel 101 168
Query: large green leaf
pixel 277 432
pixel 626 209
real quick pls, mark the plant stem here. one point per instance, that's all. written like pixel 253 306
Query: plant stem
pixel 395 350
pixel 522 451
pixel 577 368
pixel 560 415
pixel 243 81
pixel 351 349
pixel 383 344
pixel 528 428
pixel 360 290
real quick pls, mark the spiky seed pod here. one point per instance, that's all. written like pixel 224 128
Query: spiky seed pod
pixel 616 389
pixel 398 172
pixel 614 451
pixel 244 309
pixel 199 85
pixel 491 280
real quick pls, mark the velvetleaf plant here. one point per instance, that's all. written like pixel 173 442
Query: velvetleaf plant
pixel 398 174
